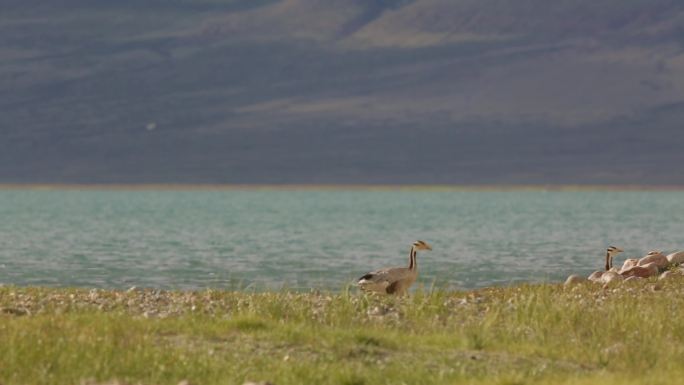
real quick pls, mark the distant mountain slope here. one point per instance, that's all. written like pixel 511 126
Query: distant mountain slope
pixel 342 91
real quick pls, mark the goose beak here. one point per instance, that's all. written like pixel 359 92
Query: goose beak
pixel 428 247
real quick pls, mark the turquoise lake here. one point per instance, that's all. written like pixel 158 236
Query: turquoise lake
pixel 302 239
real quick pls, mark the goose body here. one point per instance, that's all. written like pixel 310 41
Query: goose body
pixel 629 263
pixel 644 271
pixel 394 280
pixel 656 257
pixel 676 257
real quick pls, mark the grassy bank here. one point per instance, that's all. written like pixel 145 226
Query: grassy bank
pixel 537 334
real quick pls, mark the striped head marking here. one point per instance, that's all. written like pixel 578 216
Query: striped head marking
pixel 421 245
pixel 654 252
pixel 610 253
pixel 612 250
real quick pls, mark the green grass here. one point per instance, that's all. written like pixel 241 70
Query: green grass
pixel 536 334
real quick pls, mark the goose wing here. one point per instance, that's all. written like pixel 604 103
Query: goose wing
pixel 379 280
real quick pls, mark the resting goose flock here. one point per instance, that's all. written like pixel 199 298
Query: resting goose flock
pixel 654 263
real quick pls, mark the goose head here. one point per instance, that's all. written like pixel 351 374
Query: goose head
pixel 421 245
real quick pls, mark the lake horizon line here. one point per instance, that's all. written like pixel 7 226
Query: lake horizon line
pixel 333 187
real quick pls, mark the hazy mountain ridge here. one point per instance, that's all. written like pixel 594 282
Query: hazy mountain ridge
pixel 424 91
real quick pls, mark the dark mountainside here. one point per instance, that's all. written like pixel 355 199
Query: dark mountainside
pixel 342 91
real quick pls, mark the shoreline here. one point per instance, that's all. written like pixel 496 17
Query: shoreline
pixel 522 334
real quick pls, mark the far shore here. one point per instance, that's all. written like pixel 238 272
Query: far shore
pixel 335 187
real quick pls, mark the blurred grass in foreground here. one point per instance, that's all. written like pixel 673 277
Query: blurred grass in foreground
pixel 529 334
